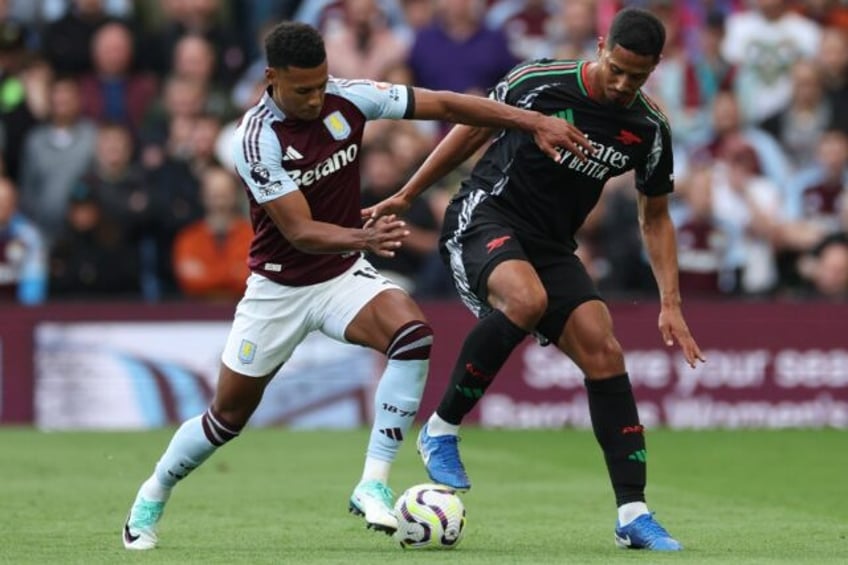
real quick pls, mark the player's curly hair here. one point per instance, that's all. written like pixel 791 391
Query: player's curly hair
pixel 294 44
pixel 637 30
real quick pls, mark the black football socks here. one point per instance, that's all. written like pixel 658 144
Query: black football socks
pixel 484 351
pixel 615 422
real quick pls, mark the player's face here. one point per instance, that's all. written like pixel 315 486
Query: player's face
pixel 621 73
pixel 299 92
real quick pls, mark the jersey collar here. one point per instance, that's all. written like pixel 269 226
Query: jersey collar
pixel 269 103
pixel 585 80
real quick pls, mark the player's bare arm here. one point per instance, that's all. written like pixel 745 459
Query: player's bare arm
pixel 292 216
pixel 661 243
pixel 550 133
pixel 458 145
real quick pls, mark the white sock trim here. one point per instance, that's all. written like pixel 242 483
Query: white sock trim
pixel 630 511
pixel 154 491
pixel 376 469
pixel 438 427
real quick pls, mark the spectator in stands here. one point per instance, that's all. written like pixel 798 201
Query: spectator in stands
pixel 478 56
pixel 119 181
pixel 209 255
pixel 574 33
pixel 418 13
pixel 204 18
pixel 528 24
pixel 23 257
pixel 750 203
pixel 16 113
pixel 687 83
pixel 614 245
pixel 194 59
pixel 833 61
pixel 328 15
pixel 175 196
pixel 174 203
pixel 91 258
pixel 182 97
pixel 66 41
pixel 816 204
pixel 381 177
pixel 113 91
pixel 764 42
pixel 704 255
pixel 726 124
pixel 362 44
pixel 55 156
pixel 799 126
pixel 826 269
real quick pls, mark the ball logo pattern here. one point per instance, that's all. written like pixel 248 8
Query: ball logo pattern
pixel 429 516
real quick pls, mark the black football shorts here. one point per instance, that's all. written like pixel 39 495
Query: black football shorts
pixel 474 251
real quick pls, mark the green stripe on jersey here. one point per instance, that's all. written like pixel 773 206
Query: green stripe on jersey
pixel 540 69
pixel 653 108
pixel 541 74
pixel 580 80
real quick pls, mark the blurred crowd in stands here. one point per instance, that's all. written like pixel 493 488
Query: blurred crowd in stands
pixel 115 117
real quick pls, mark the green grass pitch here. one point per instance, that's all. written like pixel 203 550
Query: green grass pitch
pixel 278 496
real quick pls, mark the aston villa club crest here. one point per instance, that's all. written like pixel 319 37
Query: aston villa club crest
pixel 337 126
pixel 247 351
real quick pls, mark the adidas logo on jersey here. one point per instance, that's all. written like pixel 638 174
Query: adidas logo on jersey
pixel 292 154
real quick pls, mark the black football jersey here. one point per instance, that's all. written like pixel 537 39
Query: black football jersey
pixel 547 201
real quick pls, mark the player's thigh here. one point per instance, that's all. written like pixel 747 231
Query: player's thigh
pixel 271 320
pixel 380 319
pixel 366 308
pixel 473 252
pixel 514 288
pixel 237 396
pixel 568 285
pixel 588 339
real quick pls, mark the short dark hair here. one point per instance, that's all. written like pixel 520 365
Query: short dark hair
pixel 637 30
pixel 294 44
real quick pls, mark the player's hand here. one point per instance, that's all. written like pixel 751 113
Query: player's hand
pixel 673 328
pixel 553 133
pixel 384 235
pixel 394 204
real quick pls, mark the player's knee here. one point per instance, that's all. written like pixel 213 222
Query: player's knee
pixel 412 341
pixel 220 428
pixel 233 415
pixel 603 358
pixel 526 308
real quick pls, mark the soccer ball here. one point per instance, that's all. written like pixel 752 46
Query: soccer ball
pixel 430 516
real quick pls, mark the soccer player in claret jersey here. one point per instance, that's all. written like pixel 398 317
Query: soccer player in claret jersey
pixel 508 239
pixel 297 153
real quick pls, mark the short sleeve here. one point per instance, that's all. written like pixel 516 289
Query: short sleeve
pixel 376 99
pixel 655 176
pixel 258 160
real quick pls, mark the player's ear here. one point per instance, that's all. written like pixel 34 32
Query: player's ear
pixel 270 74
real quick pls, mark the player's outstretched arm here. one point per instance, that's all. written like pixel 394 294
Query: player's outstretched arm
pixel 459 144
pixel 293 218
pixel 661 243
pixel 549 132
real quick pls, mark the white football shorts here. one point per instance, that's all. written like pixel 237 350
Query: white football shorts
pixel 272 319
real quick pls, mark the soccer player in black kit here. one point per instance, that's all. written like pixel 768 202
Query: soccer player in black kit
pixel 508 239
